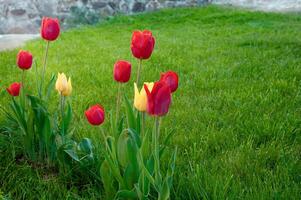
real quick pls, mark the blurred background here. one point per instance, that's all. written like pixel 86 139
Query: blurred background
pixel 20 19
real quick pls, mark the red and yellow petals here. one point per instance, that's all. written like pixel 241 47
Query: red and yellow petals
pixel 158 99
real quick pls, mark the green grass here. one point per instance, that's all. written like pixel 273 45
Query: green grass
pixel 236 113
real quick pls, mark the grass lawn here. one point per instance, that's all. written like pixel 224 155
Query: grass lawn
pixel 236 113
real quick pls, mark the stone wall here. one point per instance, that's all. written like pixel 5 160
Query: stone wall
pixel 24 16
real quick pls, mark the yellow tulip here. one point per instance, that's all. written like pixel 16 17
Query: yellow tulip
pixel 140 100
pixel 63 86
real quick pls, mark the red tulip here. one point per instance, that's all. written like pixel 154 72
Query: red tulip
pixel 122 71
pixel 95 115
pixel 14 89
pixel 171 79
pixel 50 28
pixel 159 99
pixel 142 44
pixel 24 60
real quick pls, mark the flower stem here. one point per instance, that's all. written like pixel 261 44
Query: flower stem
pixel 118 102
pixel 23 79
pixel 157 149
pixel 142 125
pixel 62 114
pixel 139 72
pixel 44 64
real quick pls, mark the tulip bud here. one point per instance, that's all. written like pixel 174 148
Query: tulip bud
pixel 142 44
pixel 171 79
pixel 122 71
pixel 14 89
pixel 159 99
pixel 50 28
pixel 95 115
pixel 140 99
pixel 63 86
pixel 24 60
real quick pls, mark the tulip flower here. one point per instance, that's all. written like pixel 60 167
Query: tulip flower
pixel 14 89
pixel 158 99
pixel 140 100
pixel 50 28
pixel 24 60
pixel 142 44
pixel 63 86
pixel 95 115
pixel 122 71
pixel 171 79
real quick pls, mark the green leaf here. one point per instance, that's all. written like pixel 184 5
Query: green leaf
pixel 165 142
pixel 126 194
pixel 86 146
pixel 107 179
pixel 130 114
pixel 67 118
pixel 72 154
pixel 122 153
pixel 50 87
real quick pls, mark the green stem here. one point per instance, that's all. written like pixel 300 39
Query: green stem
pixel 156 147
pixel 23 99
pixel 44 64
pixel 109 157
pixel 139 72
pixel 37 78
pixel 118 102
pixel 62 114
pixel 23 79
pixel 142 125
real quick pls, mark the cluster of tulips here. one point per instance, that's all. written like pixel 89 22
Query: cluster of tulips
pixel 131 152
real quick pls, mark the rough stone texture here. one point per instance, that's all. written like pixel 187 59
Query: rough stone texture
pixel 24 16
pixel 264 5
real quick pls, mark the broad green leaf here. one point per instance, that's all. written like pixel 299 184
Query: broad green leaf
pixel 72 154
pixel 130 114
pixel 107 179
pixel 126 194
pixel 122 153
pixel 67 118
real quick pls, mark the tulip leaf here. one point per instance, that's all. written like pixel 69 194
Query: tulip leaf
pixel 86 146
pixel 165 142
pixel 67 118
pixel 126 194
pixel 72 154
pixel 49 87
pixel 107 179
pixel 122 153
pixel 130 114
pixel 135 136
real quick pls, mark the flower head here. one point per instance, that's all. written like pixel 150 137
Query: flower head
pixel 171 79
pixel 122 71
pixel 140 99
pixel 158 99
pixel 95 115
pixel 24 60
pixel 62 85
pixel 14 89
pixel 142 44
pixel 50 28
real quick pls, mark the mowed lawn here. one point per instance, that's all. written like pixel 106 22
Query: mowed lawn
pixel 236 113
